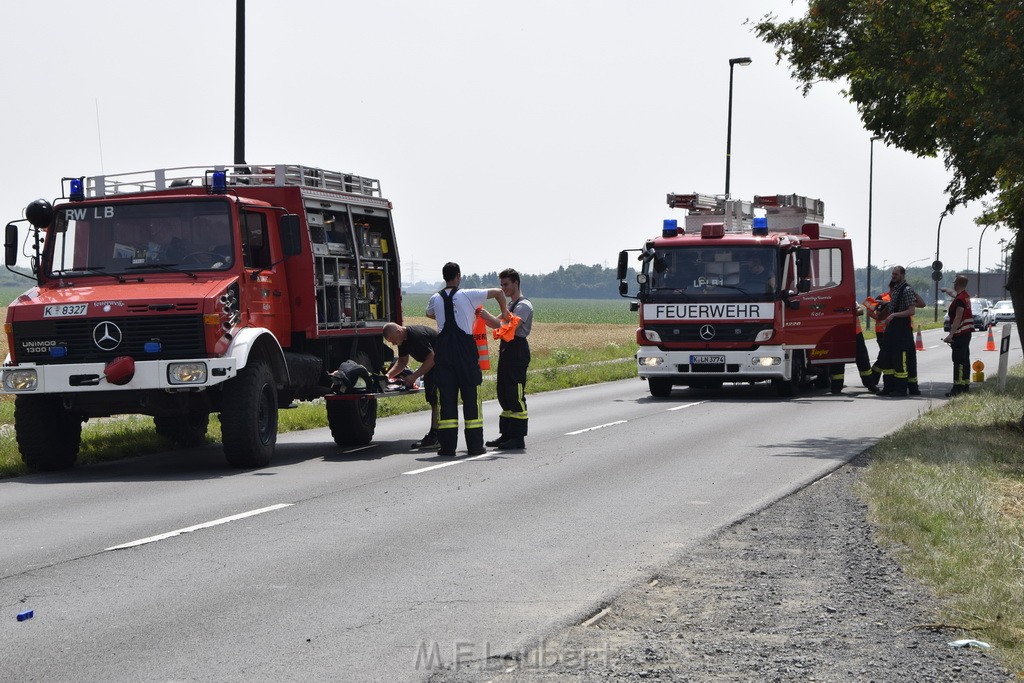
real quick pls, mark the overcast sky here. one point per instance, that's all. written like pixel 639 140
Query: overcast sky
pixel 532 134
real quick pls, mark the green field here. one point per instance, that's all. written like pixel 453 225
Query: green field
pixel 9 292
pixel 576 311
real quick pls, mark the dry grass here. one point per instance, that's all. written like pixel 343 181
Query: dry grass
pixel 1011 499
pixel 547 337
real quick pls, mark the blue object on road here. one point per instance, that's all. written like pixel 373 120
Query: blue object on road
pixel 27 614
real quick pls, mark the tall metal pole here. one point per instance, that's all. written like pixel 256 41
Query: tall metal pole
pixel 978 288
pixel 240 82
pixel 742 61
pixel 871 189
pixel 938 235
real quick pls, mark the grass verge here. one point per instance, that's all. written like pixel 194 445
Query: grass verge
pixel 947 494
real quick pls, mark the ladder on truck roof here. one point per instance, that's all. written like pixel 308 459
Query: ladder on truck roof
pixel 260 175
pixel 785 212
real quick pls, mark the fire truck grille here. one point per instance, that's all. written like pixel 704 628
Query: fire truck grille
pixel 697 333
pixel 63 340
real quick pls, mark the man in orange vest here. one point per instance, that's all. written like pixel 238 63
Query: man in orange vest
pixel 961 326
pixel 878 309
pixel 513 361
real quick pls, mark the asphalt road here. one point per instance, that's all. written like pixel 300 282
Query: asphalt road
pixel 381 564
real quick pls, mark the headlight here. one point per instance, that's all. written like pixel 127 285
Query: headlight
pixel 652 336
pixel 764 335
pixel 21 380
pixel 650 360
pixel 765 361
pixel 186 373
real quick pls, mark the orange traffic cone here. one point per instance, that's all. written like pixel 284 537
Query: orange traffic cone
pixel 990 345
pixel 919 344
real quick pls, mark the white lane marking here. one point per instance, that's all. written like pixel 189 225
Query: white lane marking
pixel 448 464
pixel 204 525
pixel 590 429
pixel 686 405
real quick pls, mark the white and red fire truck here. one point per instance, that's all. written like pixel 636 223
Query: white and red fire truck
pixel 181 292
pixel 744 292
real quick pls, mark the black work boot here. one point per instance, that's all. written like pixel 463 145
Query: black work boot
pixel 429 441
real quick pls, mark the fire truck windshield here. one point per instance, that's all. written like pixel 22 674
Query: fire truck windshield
pixel 719 273
pixel 116 237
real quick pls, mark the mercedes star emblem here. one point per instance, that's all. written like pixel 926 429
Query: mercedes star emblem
pixel 707 332
pixel 107 335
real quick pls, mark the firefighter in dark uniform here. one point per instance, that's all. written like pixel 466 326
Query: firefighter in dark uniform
pixel 961 326
pixel 513 362
pixel 878 310
pixel 899 335
pixel 456 360
pixel 416 341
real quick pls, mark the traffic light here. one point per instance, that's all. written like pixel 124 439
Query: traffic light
pixel 937 270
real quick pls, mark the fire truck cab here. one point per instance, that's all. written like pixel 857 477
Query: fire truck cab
pixel 182 292
pixel 744 291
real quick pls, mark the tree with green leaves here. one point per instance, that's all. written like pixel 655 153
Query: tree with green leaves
pixel 931 77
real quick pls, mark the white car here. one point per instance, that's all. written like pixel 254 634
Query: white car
pixel 1003 312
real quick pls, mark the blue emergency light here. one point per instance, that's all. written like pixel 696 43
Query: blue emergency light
pixel 760 227
pixel 219 182
pixel 58 351
pixel 670 228
pixel 152 347
pixel 77 193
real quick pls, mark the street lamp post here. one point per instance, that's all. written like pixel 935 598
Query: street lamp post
pixel 938 235
pixel 1002 257
pixel 978 288
pixel 871 189
pixel 967 268
pixel 742 61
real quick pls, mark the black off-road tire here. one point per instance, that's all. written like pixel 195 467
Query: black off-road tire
pixel 187 431
pixel 352 422
pixel 659 387
pixel 48 435
pixel 248 416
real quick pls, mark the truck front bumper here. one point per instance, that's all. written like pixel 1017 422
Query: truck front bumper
pixel 764 363
pixel 163 375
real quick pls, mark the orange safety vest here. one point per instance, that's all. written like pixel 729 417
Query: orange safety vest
pixel 507 330
pixel 480 336
pixel 872 305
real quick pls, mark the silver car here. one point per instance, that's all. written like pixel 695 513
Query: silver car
pixel 1003 312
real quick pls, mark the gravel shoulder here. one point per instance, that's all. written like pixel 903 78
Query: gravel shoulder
pixel 797 592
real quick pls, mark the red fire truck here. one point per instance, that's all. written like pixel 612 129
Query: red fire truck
pixel 743 292
pixel 181 292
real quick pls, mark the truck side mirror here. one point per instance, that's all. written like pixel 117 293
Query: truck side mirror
pixel 620 271
pixel 623 288
pixel 11 244
pixel 291 245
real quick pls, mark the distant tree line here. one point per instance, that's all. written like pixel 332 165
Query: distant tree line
pixel 568 282
pixel 597 282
